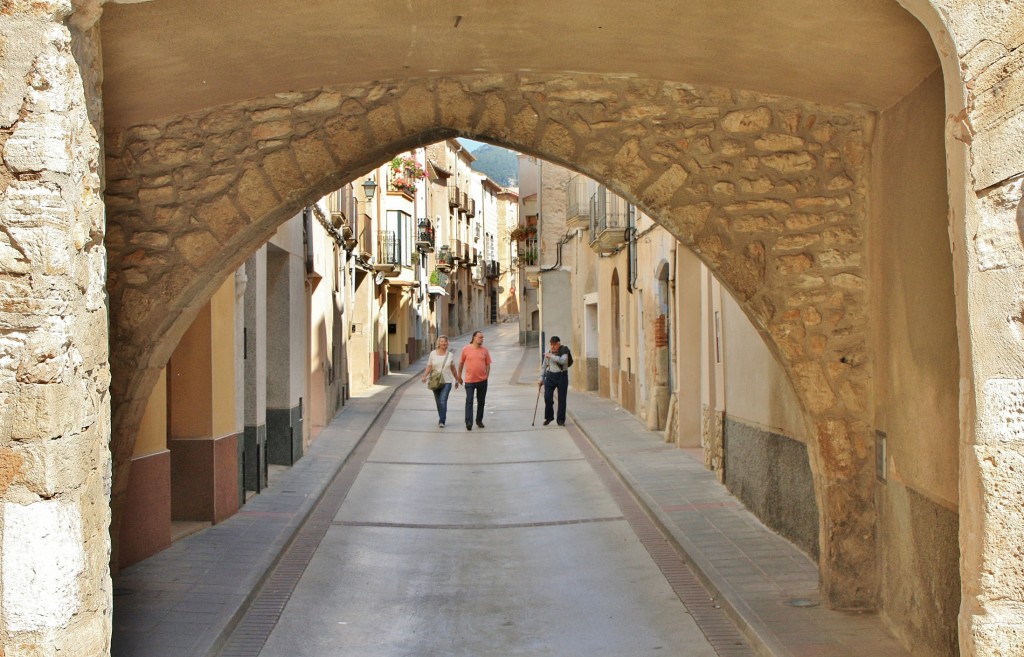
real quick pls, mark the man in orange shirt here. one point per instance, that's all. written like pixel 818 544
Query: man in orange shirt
pixel 474 368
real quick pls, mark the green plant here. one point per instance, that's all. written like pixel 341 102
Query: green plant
pixel 405 173
pixel 522 233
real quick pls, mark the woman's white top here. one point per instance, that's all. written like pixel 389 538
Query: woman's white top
pixel 437 364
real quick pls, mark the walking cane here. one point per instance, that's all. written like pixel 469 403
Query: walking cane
pixel 535 405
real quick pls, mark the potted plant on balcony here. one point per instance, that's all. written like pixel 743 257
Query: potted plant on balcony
pixel 405 173
pixel 522 233
pixel 444 258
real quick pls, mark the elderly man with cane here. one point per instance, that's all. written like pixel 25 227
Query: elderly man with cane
pixel 554 375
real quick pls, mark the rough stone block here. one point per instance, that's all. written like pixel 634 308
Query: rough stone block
pixel 42 558
pixel 384 124
pixel 197 247
pixel 40 142
pixel 753 120
pixel 255 195
pixel 313 157
pixel 417 109
pixel 790 163
pixel 557 142
pixel 779 142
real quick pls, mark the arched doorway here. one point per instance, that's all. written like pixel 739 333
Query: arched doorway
pixel 709 249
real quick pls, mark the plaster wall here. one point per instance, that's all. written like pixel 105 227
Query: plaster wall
pixel 688 344
pixel 326 366
pixel 286 318
pixel 190 382
pixel 256 338
pixel 153 428
pixel 222 359
pixel 757 390
pixel 916 382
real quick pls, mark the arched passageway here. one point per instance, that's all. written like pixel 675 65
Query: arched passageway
pixel 189 192
pixel 770 192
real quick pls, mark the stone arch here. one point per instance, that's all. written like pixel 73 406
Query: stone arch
pixel 956 28
pixel 768 191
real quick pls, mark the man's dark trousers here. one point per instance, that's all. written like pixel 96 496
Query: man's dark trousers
pixel 480 390
pixel 555 381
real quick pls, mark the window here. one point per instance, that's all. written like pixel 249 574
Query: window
pixel 398 226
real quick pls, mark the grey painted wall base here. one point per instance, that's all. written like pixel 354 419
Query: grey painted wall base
pixel 254 458
pixel 529 338
pixel 922 555
pixel 284 435
pixel 771 475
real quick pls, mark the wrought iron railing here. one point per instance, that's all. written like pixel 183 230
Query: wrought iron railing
pixel 389 251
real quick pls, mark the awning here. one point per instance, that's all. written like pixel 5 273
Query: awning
pixel 436 289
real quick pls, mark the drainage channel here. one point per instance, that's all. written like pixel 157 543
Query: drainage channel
pixel 718 628
pixel 258 621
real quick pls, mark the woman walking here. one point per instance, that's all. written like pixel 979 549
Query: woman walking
pixel 441 360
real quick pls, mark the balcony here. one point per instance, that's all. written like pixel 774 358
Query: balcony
pixel 445 259
pixel 577 210
pixel 425 236
pixel 529 253
pixel 403 174
pixel 471 207
pixel 454 196
pixel 492 269
pixel 609 219
pixel 389 254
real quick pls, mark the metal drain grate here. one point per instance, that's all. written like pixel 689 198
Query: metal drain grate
pixel 251 634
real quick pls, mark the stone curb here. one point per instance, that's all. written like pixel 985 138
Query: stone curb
pixel 759 635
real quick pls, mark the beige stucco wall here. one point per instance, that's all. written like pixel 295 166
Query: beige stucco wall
pixel 222 358
pixel 914 344
pixel 153 428
pixel 913 327
pixel 202 371
pixel 757 389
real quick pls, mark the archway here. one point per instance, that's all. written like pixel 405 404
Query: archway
pixel 212 220
pixel 979 420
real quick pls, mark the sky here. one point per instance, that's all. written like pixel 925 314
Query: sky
pixel 470 144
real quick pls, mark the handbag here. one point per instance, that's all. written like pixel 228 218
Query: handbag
pixel 436 379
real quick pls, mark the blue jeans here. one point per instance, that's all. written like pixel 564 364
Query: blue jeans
pixel 555 381
pixel 480 388
pixel 441 399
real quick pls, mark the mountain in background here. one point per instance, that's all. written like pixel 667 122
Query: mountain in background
pixel 500 164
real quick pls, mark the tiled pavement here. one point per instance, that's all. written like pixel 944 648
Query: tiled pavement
pixel 756 576
pixel 184 601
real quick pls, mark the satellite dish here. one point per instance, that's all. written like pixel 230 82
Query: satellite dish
pixel 379 278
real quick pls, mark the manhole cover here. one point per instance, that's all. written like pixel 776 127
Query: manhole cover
pixel 802 602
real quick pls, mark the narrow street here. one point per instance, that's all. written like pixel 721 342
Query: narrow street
pixel 495 541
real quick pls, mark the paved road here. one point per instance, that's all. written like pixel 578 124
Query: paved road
pixel 496 541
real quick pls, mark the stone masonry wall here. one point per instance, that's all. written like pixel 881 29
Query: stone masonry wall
pixel 767 190
pixel 981 46
pixel 54 462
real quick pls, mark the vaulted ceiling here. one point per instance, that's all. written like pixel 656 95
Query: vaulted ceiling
pixel 168 57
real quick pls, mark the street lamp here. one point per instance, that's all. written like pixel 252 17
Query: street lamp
pixel 369 188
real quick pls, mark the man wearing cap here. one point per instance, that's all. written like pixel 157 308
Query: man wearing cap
pixel 554 375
